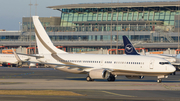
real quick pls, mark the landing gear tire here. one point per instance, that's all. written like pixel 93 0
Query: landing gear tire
pixel 111 78
pixel 88 78
pixel 174 73
pixel 159 80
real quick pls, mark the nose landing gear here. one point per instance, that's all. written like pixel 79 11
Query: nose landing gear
pixel 159 80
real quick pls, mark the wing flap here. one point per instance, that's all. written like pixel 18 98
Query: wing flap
pixel 31 55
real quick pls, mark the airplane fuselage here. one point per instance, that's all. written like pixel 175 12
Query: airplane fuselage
pixel 120 64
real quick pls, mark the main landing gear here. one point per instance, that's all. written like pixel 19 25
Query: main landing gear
pixel 111 78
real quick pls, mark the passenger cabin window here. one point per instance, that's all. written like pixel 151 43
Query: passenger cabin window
pixel 162 63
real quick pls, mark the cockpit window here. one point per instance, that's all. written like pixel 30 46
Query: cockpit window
pixel 162 63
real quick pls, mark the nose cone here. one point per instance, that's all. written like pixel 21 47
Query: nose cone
pixel 172 69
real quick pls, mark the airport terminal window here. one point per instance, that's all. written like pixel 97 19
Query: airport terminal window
pixel 146 15
pixel 85 15
pixel 100 16
pixel 156 16
pixel 65 18
pixel 99 38
pixel 135 15
pixel 75 18
pixel 151 15
pixel 115 16
pixel 70 17
pixel 120 16
pixel 90 15
pixel 167 17
pixel 166 23
pixel 80 17
pixel 162 13
pixel 130 16
pixel 124 16
pixel 171 22
pixel 177 12
pixel 172 15
pixel 105 16
pixel 109 16
pixel 95 17
pixel 140 17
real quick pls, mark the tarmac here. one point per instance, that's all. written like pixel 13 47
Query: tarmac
pixel 45 79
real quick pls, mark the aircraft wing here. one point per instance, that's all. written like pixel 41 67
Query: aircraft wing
pixel 56 64
pixel 167 55
pixel 176 64
pixel 31 55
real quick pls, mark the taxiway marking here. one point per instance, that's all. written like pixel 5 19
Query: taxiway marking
pixel 118 94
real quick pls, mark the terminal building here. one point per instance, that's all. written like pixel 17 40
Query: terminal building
pixel 90 27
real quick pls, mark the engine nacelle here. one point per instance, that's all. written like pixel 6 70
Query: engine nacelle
pixel 32 64
pixel 134 77
pixel 99 74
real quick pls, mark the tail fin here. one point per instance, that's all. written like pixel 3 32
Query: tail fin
pixel 45 46
pixel 129 49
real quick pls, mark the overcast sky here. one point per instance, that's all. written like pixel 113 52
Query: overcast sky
pixel 12 11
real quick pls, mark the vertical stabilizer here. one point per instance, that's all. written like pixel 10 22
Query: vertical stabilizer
pixel 45 46
pixel 129 49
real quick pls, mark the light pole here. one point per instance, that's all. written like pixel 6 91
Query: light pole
pixel 20 26
pixel 30 29
pixel 178 29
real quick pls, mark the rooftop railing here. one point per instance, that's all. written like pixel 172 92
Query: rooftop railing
pixel 95 28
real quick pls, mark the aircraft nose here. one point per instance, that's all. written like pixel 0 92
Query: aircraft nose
pixel 172 69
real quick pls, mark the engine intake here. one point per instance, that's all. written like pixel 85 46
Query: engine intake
pixel 99 74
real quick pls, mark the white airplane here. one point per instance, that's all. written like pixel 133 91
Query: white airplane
pixel 14 60
pixel 100 66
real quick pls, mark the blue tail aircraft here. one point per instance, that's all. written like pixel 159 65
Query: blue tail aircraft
pixel 129 49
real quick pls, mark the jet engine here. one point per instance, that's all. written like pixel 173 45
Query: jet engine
pixel 134 77
pixel 99 74
pixel 32 64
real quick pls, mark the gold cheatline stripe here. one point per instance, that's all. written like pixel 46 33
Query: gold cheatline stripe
pixel 126 71
pixel 53 53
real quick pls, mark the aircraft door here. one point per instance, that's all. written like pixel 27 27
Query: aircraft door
pixel 101 63
pixel 151 65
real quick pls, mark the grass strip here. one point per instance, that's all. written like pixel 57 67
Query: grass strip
pixel 38 92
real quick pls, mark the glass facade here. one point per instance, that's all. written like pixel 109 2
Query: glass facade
pixel 69 16
pixel 100 19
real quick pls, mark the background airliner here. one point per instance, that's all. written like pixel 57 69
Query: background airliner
pixel 100 66
pixel 14 60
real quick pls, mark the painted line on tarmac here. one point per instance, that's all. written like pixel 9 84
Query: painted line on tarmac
pixel 118 94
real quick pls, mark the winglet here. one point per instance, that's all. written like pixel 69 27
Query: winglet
pixel 16 56
pixel 129 49
pixel 44 43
